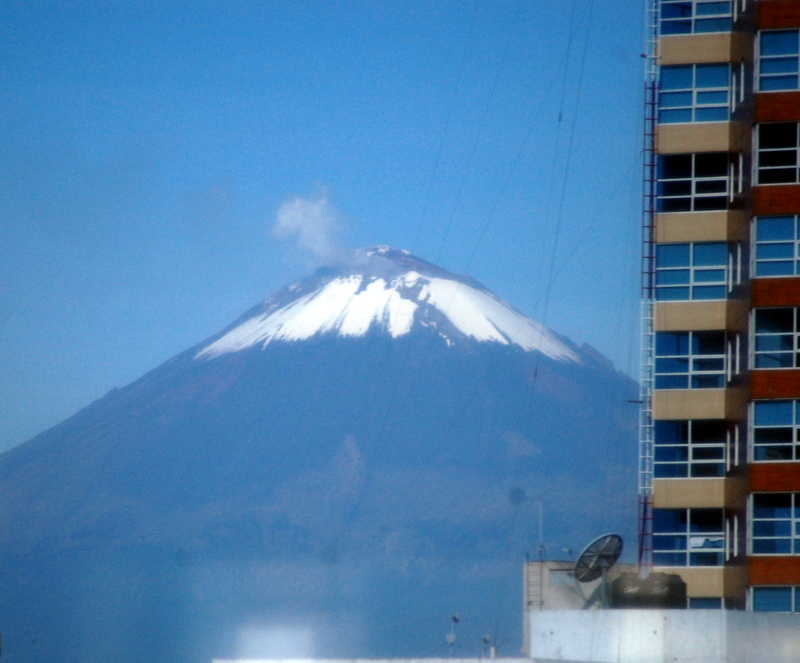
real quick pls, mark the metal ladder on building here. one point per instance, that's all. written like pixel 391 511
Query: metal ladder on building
pixel 649 193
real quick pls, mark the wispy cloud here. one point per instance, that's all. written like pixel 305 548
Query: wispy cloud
pixel 314 226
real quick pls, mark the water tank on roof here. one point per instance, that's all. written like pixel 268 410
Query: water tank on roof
pixel 658 590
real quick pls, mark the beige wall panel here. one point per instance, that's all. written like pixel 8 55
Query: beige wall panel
pixel 701 315
pixel 689 404
pixel 691 49
pixel 731 226
pixel 702 137
pixel 688 493
pixel 700 581
pixel 687 316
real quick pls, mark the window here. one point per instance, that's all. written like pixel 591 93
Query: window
pixel 777 246
pixel 691 271
pixel 775 338
pixel 777 153
pixel 690 360
pixel 694 93
pixel 775 599
pixel 776 527
pixel 688 537
pixel 775 433
pixel 689 16
pixel 778 57
pixel 689 449
pixel 693 182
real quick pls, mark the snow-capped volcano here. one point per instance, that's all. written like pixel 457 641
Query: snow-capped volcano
pixel 392 291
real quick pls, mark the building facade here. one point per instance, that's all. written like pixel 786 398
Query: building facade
pixel 720 466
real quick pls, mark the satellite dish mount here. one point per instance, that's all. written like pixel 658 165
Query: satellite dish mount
pixel 596 560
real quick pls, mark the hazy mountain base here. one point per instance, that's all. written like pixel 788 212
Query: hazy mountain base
pixel 327 498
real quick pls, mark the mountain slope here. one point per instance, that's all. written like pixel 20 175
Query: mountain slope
pixel 351 484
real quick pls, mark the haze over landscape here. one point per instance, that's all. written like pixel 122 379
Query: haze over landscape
pixel 357 457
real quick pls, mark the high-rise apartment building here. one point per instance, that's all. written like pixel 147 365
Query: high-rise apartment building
pixel 720 461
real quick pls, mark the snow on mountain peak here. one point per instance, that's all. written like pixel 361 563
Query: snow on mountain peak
pixel 393 291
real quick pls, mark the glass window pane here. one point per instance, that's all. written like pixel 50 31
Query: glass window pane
pixel 671 365
pixel 676 9
pixel 712 75
pixel 772 528
pixel 709 275
pixel 709 292
pixel 672 343
pixel 772 546
pixel 672 277
pixel 779 66
pixel 775 269
pixel 774 228
pixel 779 42
pixel 711 203
pixel 708 343
pixel 778 158
pixel 773 360
pixel 672 294
pixel 712 185
pixel 781 134
pixel 676 78
pixel 707 8
pixel 773 413
pixel 778 505
pixel 712 253
pixel 675 116
pixel 706 520
pixel 773 435
pixel 772 599
pixel 675 166
pixel 707 431
pixel 670 453
pixel 672 255
pixel 773 453
pixel 774 251
pixel 778 83
pixel 774 320
pixel 672 432
pixel 669 520
pixel 712 25
pixel 711 164
pixel 712 114
pixel 777 343
pixel 674 99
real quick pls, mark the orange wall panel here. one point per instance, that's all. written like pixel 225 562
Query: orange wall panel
pixel 782 383
pixel 777 106
pixel 774 477
pixel 774 571
pixel 776 199
pixel 777 14
pixel 775 292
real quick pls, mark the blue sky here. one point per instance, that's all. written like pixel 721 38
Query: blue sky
pixel 148 146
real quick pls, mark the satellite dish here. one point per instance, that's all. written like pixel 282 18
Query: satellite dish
pixel 596 560
pixel 598 557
